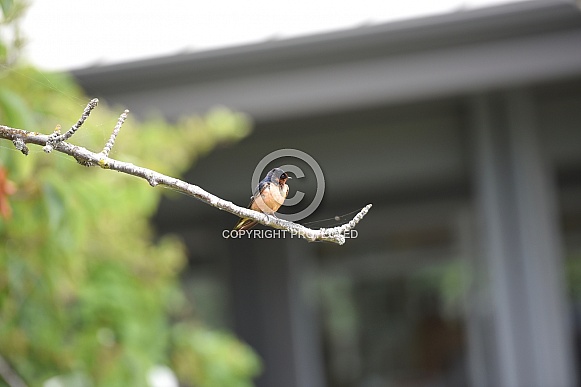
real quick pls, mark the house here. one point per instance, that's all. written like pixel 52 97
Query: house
pixel 463 130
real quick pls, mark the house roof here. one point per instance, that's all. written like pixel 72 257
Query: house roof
pixel 461 52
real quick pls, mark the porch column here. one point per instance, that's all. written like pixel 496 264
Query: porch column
pixel 521 245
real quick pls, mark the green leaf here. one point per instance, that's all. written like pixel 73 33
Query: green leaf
pixel 13 110
pixel 7 7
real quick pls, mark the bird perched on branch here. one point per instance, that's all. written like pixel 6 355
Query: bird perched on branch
pixel 267 198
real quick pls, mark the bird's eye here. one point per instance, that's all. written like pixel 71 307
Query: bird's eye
pixel 283 176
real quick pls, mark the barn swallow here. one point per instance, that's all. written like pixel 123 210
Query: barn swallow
pixel 267 197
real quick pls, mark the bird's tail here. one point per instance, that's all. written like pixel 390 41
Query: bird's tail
pixel 245 224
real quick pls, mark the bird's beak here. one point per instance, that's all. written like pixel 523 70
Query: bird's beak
pixel 288 177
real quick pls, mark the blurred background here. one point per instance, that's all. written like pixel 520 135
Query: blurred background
pixel 462 125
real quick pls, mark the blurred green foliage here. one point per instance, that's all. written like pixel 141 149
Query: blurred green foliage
pixel 87 294
pixel 573 271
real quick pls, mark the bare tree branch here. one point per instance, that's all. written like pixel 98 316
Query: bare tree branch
pixel 57 141
pixel 9 375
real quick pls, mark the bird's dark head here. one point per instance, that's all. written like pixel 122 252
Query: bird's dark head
pixel 277 176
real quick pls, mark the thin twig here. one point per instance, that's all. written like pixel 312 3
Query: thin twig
pixel 111 141
pixel 85 157
pixel 56 137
